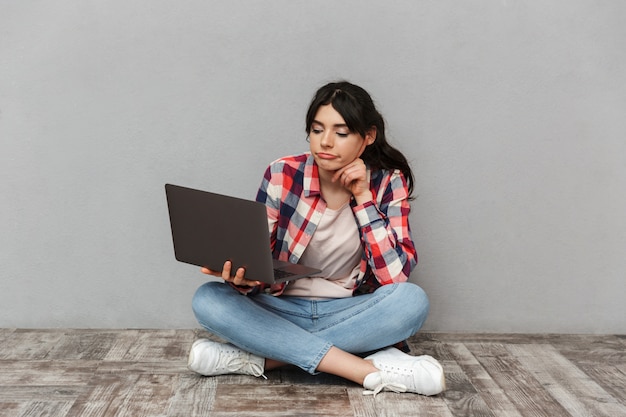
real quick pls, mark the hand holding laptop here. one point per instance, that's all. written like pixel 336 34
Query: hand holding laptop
pixel 238 279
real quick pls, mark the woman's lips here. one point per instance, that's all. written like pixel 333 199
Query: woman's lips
pixel 327 156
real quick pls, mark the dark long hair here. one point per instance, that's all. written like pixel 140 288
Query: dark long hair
pixel 357 108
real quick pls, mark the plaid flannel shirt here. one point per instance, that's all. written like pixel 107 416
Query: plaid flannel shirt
pixel 291 192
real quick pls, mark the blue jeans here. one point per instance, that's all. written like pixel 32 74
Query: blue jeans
pixel 300 331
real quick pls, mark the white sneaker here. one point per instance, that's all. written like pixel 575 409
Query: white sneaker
pixel 400 372
pixel 211 358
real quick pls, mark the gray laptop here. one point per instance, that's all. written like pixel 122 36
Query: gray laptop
pixel 209 229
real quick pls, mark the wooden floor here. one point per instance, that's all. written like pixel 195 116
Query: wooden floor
pixel 143 373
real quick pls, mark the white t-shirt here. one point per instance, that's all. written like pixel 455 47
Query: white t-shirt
pixel 335 248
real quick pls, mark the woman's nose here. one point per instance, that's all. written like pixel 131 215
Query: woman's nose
pixel 326 141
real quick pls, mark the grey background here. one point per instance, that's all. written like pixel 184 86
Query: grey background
pixel 511 112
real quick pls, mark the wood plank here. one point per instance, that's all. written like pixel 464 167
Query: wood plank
pixel 122 344
pixel 82 344
pixel 131 395
pixel 600 357
pixel 149 396
pixel 428 344
pixel 11 409
pixel 569 385
pixel 105 396
pixel 493 395
pixel 520 386
pixel 165 367
pixel 487 338
pixel 611 378
pixel 461 397
pixel 582 349
pixel 280 400
pixel 39 373
pixel 6 336
pixel 44 408
pixel 390 404
pixel 565 340
pixel 29 344
pixel 155 345
pixel 24 393
pixel 362 405
pixel 193 396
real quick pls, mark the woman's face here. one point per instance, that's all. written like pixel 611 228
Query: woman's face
pixel 332 144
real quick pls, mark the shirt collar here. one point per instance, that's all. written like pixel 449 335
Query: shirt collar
pixel 311 177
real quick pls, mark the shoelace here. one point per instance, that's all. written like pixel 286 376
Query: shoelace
pixel 241 362
pixel 391 386
pixel 392 378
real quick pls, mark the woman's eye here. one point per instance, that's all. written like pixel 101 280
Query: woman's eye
pixel 316 131
pixel 342 134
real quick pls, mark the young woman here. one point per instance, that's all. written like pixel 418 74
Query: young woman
pixel 343 207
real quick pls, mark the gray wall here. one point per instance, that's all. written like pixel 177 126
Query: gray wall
pixel 512 114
